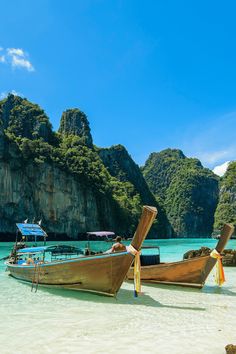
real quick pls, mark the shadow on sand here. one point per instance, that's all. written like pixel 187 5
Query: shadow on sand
pixel 124 297
pixel 208 289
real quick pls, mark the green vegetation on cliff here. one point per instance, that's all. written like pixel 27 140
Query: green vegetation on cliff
pixel 111 186
pixel 226 209
pixel 28 140
pixel 187 191
pixel 121 166
pixel 24 119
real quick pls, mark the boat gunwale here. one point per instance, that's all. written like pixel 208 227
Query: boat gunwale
pixel 174 263
pixel 72 260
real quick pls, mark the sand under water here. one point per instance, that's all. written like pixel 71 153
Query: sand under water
pixel 165 319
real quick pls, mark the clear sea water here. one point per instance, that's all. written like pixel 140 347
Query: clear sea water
pixel 165 319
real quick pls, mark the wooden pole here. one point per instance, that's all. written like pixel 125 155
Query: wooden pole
pixel 148 215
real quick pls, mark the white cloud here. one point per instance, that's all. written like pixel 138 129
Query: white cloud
pixel 13 92
pixel 215 156
pixel 17 58
pixel 221 169
pixel 212 142
pixel 21 62
pixel 16 51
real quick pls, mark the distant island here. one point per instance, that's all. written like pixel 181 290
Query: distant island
pixel 74 186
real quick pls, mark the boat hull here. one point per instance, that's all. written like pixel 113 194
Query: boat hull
pixel 101 274
pixel 192 272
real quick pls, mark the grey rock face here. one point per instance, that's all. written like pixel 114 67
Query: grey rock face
pixel 120 165
pixel 44 192
pixel 75 122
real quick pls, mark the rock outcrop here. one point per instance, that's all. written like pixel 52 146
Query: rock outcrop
pixel 188 191
pixel 226 208
pixel 230 349
pixel 58 178
pixel 228 260
pixel 75 187
pixel 120 165
pixel 24 119
pixel 75 122
pixel 43 190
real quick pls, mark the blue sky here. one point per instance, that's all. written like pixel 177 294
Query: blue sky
pixel 148 74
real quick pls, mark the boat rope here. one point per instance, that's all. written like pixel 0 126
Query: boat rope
pixel 220 275
pixel 137 269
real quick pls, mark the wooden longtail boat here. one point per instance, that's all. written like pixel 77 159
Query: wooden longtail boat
pixel 101 273
pixel 191 272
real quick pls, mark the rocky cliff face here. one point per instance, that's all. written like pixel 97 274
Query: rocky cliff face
pixel 188 191
pixel 58 178
pixel 75 187
pixel 120 165
pixel 75 122
pixel 25 119
pixel 43 191
pixel 226 209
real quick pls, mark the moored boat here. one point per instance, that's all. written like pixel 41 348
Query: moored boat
pixel 107 236
pixel 100 273
pixel 191 272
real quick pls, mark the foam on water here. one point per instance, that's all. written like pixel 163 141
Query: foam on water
pixel 165 319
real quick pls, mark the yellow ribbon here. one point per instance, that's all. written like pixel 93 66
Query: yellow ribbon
pixel 220 275
pixel 137 269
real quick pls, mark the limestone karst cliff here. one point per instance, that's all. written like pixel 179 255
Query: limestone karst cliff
pixel 74 186
pixel 188 191
pixel 58 178
pixel 75 122
pixel 226 208
pixel 120 165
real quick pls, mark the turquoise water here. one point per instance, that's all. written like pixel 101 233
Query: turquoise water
pixel 165 319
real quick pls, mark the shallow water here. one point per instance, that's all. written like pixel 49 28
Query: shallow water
pixel 165 319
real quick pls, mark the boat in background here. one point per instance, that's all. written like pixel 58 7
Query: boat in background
pixel 191 272
pixel 100 273
pixel 107 236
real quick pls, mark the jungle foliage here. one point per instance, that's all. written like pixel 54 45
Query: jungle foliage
pixel 28 130
pixel 188 191
pixel 226 209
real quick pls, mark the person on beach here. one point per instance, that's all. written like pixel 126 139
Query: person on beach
pixel 117 247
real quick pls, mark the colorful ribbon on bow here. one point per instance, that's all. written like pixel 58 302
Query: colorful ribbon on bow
pixel 137 269
pixel 220 275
